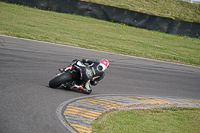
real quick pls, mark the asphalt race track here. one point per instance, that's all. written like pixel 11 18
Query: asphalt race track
pixel 28 105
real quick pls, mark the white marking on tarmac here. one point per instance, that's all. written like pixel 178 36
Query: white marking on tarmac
pixel 101 51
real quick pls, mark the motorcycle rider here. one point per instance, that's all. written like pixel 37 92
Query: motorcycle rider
pixel 91 72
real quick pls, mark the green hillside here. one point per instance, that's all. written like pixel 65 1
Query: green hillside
pixel 176 9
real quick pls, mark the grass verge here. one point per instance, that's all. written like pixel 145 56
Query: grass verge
pixel 167 120
pixel 86 32
pixel 175 9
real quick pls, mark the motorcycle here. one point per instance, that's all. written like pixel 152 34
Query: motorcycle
pixel 69 79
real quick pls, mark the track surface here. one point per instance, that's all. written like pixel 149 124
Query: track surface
pixel 27 104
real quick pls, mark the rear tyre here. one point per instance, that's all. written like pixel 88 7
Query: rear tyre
pixel 59 80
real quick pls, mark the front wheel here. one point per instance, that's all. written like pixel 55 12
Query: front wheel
pixel 59 80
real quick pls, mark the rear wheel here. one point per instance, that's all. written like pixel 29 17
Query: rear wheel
pixel 59 80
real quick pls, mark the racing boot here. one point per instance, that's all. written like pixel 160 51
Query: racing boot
pixel 79 87
pixel 86 91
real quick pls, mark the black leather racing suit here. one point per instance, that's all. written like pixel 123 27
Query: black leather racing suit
pixel 92 72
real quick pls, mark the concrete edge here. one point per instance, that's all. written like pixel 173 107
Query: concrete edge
pixel 60 109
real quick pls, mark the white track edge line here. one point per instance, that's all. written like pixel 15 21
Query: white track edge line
pixel 102 51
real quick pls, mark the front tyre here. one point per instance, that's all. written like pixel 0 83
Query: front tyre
pixel 59 80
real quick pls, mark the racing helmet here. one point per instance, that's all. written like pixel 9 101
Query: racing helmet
pixel 105 62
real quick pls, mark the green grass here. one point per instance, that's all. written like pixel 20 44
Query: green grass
pixel 79 31
pixel 176 9
pixel 86 32
pixel 168 120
